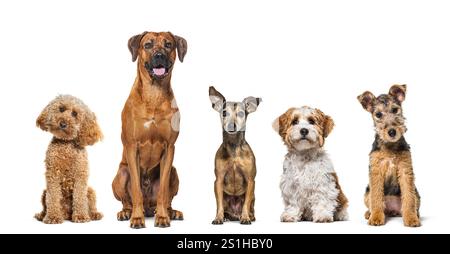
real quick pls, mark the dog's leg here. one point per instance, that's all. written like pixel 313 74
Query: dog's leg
pixel 120 186
pixel 174 182
pixel 323 206
pixel 249 196
pixel 292 209
pixel 80 200
pixel 408 194
pixel 93 213
pixel 53 201
pixel 218 191
pixel 137 215
pixel 40 216
pixel 376 197
pixel 162 218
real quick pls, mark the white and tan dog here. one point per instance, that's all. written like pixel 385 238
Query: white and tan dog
pixel 309 185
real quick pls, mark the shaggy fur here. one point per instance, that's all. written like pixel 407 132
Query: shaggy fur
pixel 391 189
pixel 309 185
pixel 68 196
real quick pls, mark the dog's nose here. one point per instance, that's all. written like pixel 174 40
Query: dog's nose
pixel 158 55
pixel 392 133
pixel 304 131
pixel 231 126
pixel 62 125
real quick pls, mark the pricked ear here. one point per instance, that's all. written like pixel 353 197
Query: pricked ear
pixel 367 100
pixel 182 46
pixel 251 104
pixel 398 92
pixel 41 121
pixel 133 45
pixel 217 99
pixel 90 131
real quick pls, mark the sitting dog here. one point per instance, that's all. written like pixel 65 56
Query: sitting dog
pixel 391 190
pixel 235 166
pixel 309 185
pixel 68 196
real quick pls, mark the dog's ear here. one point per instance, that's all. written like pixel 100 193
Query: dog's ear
pixel 281 123
pixel 41 121
pixel 327 123
pixel 133 45
pixel 251 104
pixel 398 92
pixel 90 131
pixel 367 100
pixel 217 99
pixel 182 46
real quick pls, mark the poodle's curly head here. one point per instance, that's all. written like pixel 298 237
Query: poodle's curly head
pixel 69 119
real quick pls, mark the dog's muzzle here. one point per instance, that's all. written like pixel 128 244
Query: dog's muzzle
pixel 158 67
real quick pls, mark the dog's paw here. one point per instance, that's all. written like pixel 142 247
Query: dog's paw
pixel 323 219
pixel 288 218
pixel 96 216
pixel 176 215
pixel 162 221
pixel 53 220
pixel 245 220
pixel 217 221
pixel 367 215
pixel 411 221
pixel 124 215
pixel 137 222
pixel 376 219
pixel 78 218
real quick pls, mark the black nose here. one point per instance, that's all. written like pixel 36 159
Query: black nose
pixel 158 55
pixel 304 131
pixel 62 125
pixel 392 133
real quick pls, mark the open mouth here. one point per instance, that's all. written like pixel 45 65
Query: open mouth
pixel 159 71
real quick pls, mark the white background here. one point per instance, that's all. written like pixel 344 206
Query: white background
pixel 290 53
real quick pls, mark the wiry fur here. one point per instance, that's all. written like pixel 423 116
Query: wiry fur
pixel 67 196
pixel 309 185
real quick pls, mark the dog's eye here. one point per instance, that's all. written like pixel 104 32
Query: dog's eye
pixel 378 115
pixel 295 122
pixel 74 113
pixel 394 110
pixel 148 45
pixel 241 114
pixel 311 121
pixel 62 109
pixel 225 113
pixel 168 45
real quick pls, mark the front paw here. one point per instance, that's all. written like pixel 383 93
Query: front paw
pixel 162 221
pixel 376 219
pixel 218 220
pixel 285 217
pixel 137 222
pixel 52 220
pixel 124 215
pixel 245 220
pixel 96 216
pixel 323 219
pixel 78 218
pixel 411 220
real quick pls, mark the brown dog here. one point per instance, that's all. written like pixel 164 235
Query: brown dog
pixel 146 180
pixel 235 166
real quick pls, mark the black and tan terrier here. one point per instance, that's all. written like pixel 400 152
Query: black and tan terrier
pixel 391 189
pixel 235 166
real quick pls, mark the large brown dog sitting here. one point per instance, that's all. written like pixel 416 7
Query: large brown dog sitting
pixel 146 181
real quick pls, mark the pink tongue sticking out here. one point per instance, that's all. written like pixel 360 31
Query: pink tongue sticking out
pixel 159 71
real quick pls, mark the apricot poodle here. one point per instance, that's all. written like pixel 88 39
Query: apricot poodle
pixel 68 196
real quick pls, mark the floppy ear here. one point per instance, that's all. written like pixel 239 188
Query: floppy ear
pixel 41 121
pixel 281 123
pixel 251 104
pixel 367 100
pixel 327 125
pixel 90 131
pixel 398 92
pixel 182 46
pixel 217 99
pixel 133 45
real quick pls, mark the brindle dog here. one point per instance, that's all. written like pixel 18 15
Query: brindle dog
pixel 391 190
pixel 235 166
